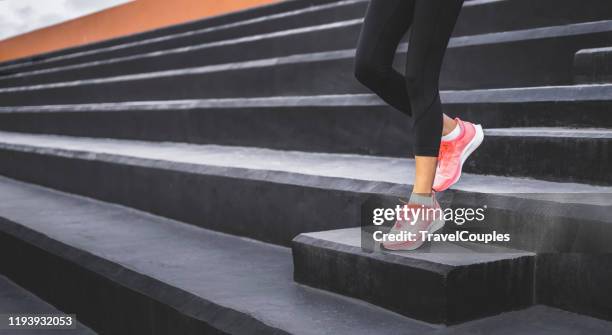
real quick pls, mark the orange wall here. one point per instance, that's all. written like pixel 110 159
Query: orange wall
pixel 129 18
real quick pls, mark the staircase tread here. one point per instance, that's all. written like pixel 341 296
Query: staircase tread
pixel 563 132
pixel 569 93
pixel 594 50
pixel 569 29
pixel 281 166
pixel 444 253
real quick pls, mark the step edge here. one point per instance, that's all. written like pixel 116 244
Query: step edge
pixel 534 94
pixel 307 239
pixel 189 304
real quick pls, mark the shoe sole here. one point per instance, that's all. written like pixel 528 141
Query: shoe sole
pixel 467 151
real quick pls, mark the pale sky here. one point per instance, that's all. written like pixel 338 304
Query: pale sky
pixel 20 16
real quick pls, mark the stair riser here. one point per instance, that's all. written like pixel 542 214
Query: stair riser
pixel 335 127
pixel 447 296
pixel 270 215
pixel 593 66
pixel 103 293
pixel 562 282
pixel 315 129
pixel 536 62
pixel 283 6
pixel 578 113
pixel 542 226
pixel 533 63
pixel 549 158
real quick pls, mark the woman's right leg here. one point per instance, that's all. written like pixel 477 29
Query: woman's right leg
pixel 385 23
pixel 432 28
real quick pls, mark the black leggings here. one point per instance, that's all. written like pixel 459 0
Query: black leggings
pixel 416 93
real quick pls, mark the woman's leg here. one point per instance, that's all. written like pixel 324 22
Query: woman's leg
pixel 432 27
pixel 385 24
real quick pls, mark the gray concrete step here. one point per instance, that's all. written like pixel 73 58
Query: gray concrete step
pixel 442 282
pixel 570 154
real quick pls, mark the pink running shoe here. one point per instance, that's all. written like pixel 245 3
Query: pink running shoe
pixel 430 223
pixel 454 153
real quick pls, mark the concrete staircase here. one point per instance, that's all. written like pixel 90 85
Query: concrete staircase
pixel 154 183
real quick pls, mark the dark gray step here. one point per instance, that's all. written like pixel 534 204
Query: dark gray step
pixel 116 254
pixel 301 18
pixel 128 272
pixel 15 300
pixel 593 66
pixel 443 283
pixel 224 19
pixel 362 125
pixel 562 154
pixel 477 17
pixel 174 180
pixel 531 57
